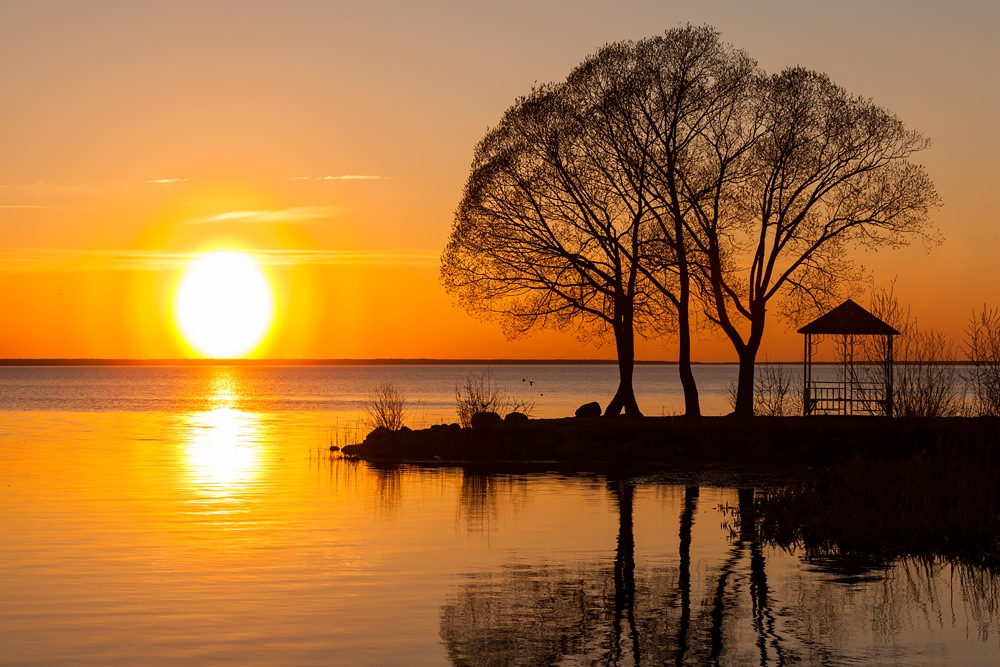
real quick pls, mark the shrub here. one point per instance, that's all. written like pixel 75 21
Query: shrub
pixel 774 392
pixel 385 407
pixel 481 392
pixel 982 347
pixel 926 381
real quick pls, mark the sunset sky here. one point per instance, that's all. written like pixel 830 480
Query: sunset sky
pixel 332 140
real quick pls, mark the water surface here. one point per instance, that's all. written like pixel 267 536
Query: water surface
pixel 211 532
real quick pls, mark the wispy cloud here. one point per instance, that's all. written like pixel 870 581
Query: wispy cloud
pixel 18 260
pixel 382 257
pixel 345 177
pixel 297 214
pixel 164 181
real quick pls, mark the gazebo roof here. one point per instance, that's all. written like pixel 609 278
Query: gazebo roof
pixel 851 319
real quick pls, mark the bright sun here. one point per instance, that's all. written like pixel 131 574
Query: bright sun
pixel 223 306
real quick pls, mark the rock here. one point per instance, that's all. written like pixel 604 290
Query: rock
pixel 334 448
pixel 485 420
pixel 515 418
pixel 589 410
pixel 378 433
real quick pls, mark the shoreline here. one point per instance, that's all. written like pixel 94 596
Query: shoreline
pixel 740 442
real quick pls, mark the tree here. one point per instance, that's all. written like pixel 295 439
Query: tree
pixel 574 210
pixel 826 172
pixel 684 109
pixel 550 229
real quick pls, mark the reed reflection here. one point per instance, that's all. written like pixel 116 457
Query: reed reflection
pixel 483 494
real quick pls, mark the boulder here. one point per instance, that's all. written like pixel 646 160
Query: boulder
pixel 589 410
pixel 485 420
pixel 378 433
pixel 515 418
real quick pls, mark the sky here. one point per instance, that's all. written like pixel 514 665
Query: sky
pixel 332 140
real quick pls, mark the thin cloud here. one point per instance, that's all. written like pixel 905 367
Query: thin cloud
pixel 297 214
pixel 345 177
pixel 22 260
pixel 167 180
pixel 319 257
pixel 19 260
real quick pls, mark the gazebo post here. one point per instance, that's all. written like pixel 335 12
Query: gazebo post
pixel 889 363
pixel 806 373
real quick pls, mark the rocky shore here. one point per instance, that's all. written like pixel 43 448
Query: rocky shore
pixel 679 440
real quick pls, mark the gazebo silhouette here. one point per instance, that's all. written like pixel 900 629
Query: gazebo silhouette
pixel 863 386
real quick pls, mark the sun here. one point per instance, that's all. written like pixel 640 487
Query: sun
pixel 223 305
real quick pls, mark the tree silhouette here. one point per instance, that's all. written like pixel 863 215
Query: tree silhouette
pixel 681 89
pixel 672 173
pixel 557 217
pixel 827 172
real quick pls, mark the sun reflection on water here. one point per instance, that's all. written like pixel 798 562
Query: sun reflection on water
pixel 223 446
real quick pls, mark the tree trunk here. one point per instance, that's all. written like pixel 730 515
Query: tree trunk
pixel 692 407
pixel 625 396
pixel 748 360
pixel 744 385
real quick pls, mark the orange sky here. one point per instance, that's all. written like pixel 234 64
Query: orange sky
pixel 135 135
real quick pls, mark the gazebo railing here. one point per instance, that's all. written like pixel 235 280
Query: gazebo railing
pixel 846 398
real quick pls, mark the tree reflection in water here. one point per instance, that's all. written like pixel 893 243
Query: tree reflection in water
pixel 703 610
pixel 684 576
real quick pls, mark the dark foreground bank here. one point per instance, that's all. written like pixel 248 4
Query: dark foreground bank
pixel 682 440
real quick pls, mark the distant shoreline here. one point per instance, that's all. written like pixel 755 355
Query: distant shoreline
pixel 391 362
pixel 332 362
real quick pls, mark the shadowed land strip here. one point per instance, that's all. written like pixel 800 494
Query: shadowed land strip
pixel 683 440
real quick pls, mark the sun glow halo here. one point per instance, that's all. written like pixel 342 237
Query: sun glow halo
pixel 223 305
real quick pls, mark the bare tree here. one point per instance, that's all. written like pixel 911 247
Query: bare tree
pixel 687 108
pixel 827 172
pixel 575 211
pixel 550 229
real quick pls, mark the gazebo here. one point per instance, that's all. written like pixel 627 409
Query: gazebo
pixel 863 385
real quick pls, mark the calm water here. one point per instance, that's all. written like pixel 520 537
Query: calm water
pixel 556 391
pixel 193 515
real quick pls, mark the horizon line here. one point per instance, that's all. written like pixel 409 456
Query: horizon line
pixel 375 361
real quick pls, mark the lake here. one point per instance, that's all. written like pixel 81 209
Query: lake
pixel 165 515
